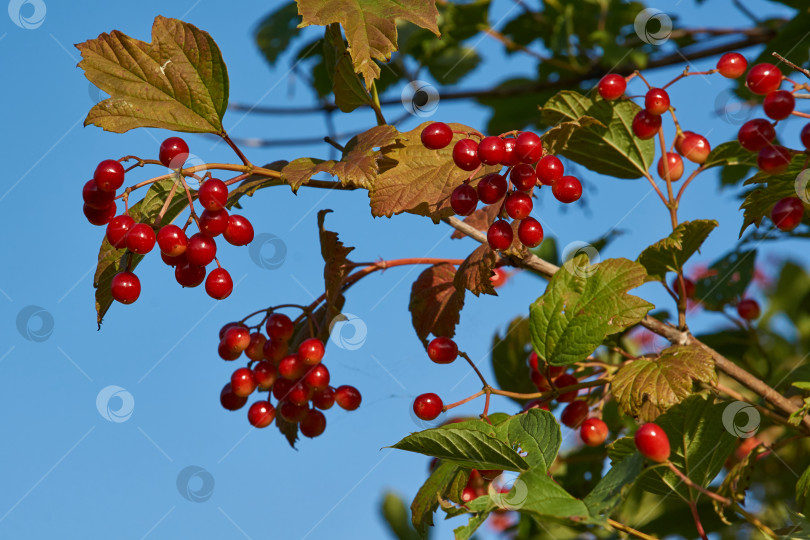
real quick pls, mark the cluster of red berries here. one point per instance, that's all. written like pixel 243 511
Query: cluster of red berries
pixel 188 256
pixel 295 380
pixel 526 167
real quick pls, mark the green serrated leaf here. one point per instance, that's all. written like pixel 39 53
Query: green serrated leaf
pixel 509 353
pixel 736 482
pixel 346 85
pixel 607 495
pixel 728 154
pixel 275 32
pixel 536 433
pixel 671 253
pixel 427 498
pixel 555 140
pixel 725 280
pixel 771 188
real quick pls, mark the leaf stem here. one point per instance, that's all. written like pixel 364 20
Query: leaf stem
pixel 629 530
pixel 235 148
pixel 475 368
pixel 166 204
pixel 725 501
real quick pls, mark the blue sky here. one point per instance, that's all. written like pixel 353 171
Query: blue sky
pixel 69 471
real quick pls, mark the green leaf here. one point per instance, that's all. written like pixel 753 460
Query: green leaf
pixel 451 64
pixel 802 490
pixel 540 496
pixel 730 153
pixel 288 429
pixel 509 353
pixel 555 140
pixel 178 82
pixel 474 273
pixel 791 40
pixel 465 532
pixel 346 85
pixel 771 188
pixel 536 433
pixel 725 280
pixel 608 493
pixel 395 514
pixel 671 253
pixel 370 26
pixel 737 481
pixel 620 449
pixel 436 303
pixel 609 147
pixel 645 388
pixel 275 32
pixel 582 305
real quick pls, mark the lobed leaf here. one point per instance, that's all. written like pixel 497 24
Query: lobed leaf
pixel 509 353
pixel 436 303
pixel 671 253
pixel 771 188
pixel 730 154
pixel 474 273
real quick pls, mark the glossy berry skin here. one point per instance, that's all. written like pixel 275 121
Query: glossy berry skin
pixel 593 432
pixel 265 374
pixel 530 232
pixel 523 177
pixel 172 261
pixel 528 147
pixel 532 360
pixel 518 205
pixel 279 327
pixel 317 378
pixel 219 284
pixel 239 231
pixel 227 327
pixel 555 371
pixel 465 155
pixel 549 170
pixel 732 65
pixel 499 277
pixel 201 250
pixel 225 353
pixel 646 125
pixel 189 275
pixel 509 156
pixel 117 230
pixel 347 397
pixel 652 443
pixel 500 235
pixel 695 148
pixel 679 140
pixel 540 381
pixel 656 101
pixel 804 136
pixel 261 414
pixel 324 399
pixel 688 284
pixel 467 494
pixel 311 351
pixel 427 406
pixel 612 86
pixel 779 104
pixel 213 194
pixel 748 309
pixel 172 240
pixel 236 338
pixel 567 189
pixel 275 350
pixel 140 238
pixel 99 216
pixel 313 423
pixel 787 213
pixel 282 388
pixel 96 198
pixel 756 134
pixel 492 188
pixel 562 381
pixel 291 367
pixel 291 412
pixel 255 349
pixel 574 413
pixel 242 382
pixel 491 150
pixel 109 175
pixel 442 350
pixel 463 200
pixel 536 404
pixel 126 287
pixel 675 164
pixel 436 135
pixel 229 400
pixel 213 222
pixel 763 79
pixel 173 152
pixel 774 159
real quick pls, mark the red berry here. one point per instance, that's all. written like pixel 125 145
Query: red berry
pixel 436 135
pixel 567 189
pixel 652 443
pixel 748 309
pixel 140 238
pixel 219 284
pixel 612 86
pixel 99 216
pixel 347 397
pixel 555 371
pixel 530 232
pixel 275 350
pixel 96 198
pixel 291 367
pixel 213 222
pixel 282 388
pixel 126 287
pixel 491 150
pixel 201 249
pixel 646 125
pixel 532 360
pixel 311 351
pixel 313 423
pixel 763 79
pixel 656 101
pixel 804 136
pixel 695 147
pixel 732 65
pixel 774 159
pixel 173 261
pixel 523 176
pixel 265 374
pixel 574 413
pixel 528 147
pixel 173 152
pixel 324 399
pixel 291 412
pixel 109 175
pixel 679 140
pixel 227 353
pixel 239 231
pixel 213 194
pixel 675 164
pixel 518 205
pixel 279 327
pixel 509 156
pixel 298 394
pixel 189 275
pixel 242 382
pixel 465 155
pixel 566 380
pixel 261 414
pixel 172 240
pixel 442 350
pixel 536 404
pixel 317 378
pixel 229 400
pixel 779 104
pixel 549 170
pixel 236 338
pixel 593 431
pixel 491 188
pixel 539 380
pixel 756 134
pixel 499 277
pixel 787 213
pixel 428 406
pixel 227 327
pixel 500 235
pixel 688 284
pixel 463 200
pixel 117 230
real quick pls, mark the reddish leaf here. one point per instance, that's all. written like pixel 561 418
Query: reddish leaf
pixel 481 219
pixel 474 273
pixel 435 302
pixel 334 255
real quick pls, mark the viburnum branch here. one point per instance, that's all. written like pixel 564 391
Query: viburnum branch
pixel 629 530
pixel 656 188
pixel 475 368
pixel 166 204
pixel 551 394
pixel 463 401
pixel 701 531
pixel 725 501
pixel 791 64
pixel 687 182
pixel 235 148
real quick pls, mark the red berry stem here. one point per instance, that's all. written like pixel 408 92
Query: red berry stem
pixel 463 401
pixel 235 148
pixel 688 481
pixel 166 204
